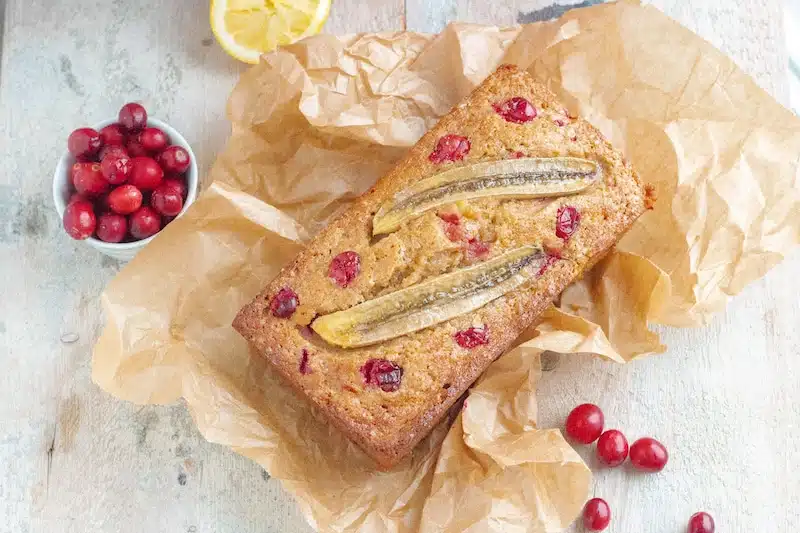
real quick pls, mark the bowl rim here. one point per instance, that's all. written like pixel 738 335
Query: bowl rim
pixel 61 177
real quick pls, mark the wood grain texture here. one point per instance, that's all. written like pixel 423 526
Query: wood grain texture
pixel 354 16
pixel 73 459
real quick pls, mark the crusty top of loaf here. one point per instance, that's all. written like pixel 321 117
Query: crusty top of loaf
pixel 436 370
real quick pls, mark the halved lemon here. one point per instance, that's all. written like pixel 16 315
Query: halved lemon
pixel 248 28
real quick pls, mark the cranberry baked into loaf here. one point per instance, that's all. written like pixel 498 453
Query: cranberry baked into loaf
pixel 396 308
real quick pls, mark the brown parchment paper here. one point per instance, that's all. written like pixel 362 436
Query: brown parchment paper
pixel 316 123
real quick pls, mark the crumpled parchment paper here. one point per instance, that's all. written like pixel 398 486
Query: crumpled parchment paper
pixel 316 123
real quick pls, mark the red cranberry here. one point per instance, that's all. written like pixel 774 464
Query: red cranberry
pixel 167 200
pixel 452 226
pixel 177 184
pixel 471 337
pixel 88 179
pixel 113 135
pixel 153 139
pixel 76 196
pixel 112 149
pixel 612 448
pixel 649 455
pixel 450 218
pixel 133 117
pixel 144 222
pixel 560 123
pixel 101 204
pixel 516 109
pixel 306 332
pixel 79 220
pixel 596 514
pixel 585 423
pixel 146 174
pixel 112 227
pixel 382 373
pixel 518 155
pixel 567 220
pixel 450 148
pixel 304 368
pixel 125 199
pixel 84 142
pixel 135 149
pixel 344 268
pixel 477 249
pixel 549 262
pixel 284 303
pixel 116 169
pixel 175 159
pixel 701 523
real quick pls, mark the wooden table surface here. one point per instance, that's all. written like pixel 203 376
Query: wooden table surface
pixel 74 459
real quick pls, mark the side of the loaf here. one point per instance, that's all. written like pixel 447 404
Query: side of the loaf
pixel 388 395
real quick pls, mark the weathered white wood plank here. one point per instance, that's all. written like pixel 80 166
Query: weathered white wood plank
pixel 433 15
pixel 353 16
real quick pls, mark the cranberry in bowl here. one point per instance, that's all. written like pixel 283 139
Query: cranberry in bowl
pixel 114 192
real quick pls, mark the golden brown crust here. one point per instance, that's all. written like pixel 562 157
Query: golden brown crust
pixel 387 425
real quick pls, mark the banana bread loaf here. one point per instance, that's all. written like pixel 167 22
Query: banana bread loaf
pixel 396 308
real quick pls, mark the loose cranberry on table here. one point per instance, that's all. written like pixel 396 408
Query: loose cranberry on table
pixel 84 142
pixel 146 173
pixel 612 448
pixel 175 159
pixel 116 169
pixel 113 135
pixel 88 179
pixel 79 220
pixel 596 514
pixel 133 117
pixel 167 200
pixel 701 523
pixel 153 139
pixel 649 455
pixel 144 222
pixel 125 199
pixel 585 423
pixel 112 227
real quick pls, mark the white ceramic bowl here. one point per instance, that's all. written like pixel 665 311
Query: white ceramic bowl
pixel 62 189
